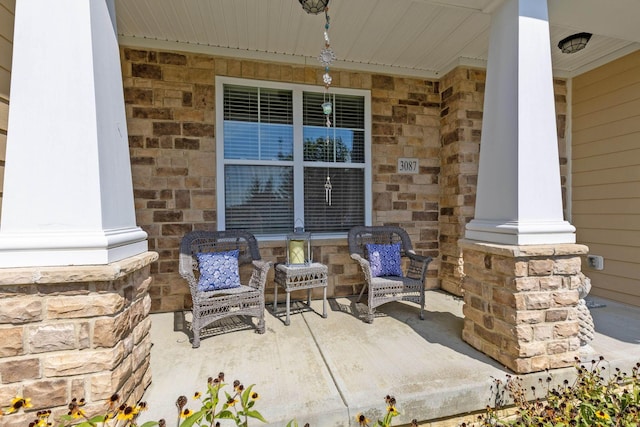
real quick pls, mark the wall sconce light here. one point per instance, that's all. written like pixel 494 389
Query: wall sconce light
pixel 314 7
pixel 574 43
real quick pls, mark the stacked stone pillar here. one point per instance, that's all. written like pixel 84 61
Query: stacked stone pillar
pixel 74 332
pixel 521 303
pixel 461 121
pixel 521 263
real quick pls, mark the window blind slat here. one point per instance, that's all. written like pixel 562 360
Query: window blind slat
pixel 240 103
pixel 276 106
pixel 347 199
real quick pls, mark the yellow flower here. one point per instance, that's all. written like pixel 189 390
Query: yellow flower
pixel 602 415
pixel 43 419
pixel 19 402
pixel 113 400
pixel 197 395
pixel 186 413
pixel 362 420
pixel 254 396
pixel 142 406
pixel 230 402
pixel 78 413
pixel 74 408
pixel 126 414
pixel 392 410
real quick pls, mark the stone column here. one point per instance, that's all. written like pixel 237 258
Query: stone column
pixel 74 332
pixel 68 195
pixel 462 93
pixel 521 263
pixel 521 303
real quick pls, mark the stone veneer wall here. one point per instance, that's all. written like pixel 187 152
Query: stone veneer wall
pixel 74 332
pixel 170 106
pixel 560 90
pixel 461 121
pixel 462 93
pixel 6 35
pixel 520 303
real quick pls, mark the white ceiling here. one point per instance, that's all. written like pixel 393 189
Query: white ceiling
pixel 411 37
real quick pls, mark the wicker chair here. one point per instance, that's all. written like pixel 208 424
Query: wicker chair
pixel 247 300
pixel 384 289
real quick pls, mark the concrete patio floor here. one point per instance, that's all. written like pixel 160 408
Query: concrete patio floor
pixel 326 371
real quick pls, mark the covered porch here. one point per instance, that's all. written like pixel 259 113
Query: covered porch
pixel 129 172
pixel 326 371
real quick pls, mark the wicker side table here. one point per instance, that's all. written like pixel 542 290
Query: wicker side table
pixel 296 277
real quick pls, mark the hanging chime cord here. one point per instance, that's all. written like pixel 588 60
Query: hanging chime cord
pixel 326 58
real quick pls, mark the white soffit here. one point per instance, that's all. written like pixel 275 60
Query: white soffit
pixel 424 38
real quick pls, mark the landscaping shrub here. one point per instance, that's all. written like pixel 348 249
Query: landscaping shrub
pixel 594 399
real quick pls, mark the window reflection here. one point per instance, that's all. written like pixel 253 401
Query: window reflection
pixel 342 146
pixel 259 198
pixel 258 141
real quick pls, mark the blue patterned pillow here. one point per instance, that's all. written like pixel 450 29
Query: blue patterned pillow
pixel 384 259
pixel 218 270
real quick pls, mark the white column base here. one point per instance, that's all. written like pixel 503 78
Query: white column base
pixel 519 233
pixel 62 248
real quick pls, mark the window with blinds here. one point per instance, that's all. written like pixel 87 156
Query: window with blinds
pixel 280 156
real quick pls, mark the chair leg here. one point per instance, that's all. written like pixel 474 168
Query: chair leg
pixel 361 292
pixel 261 325
pixel 370 315
pixel 324 302
pixel 195 329
pixel 371 309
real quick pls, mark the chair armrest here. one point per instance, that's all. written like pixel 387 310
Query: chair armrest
pixel 186 271
pixel 259 274
pixel 418 265
pixel 364 264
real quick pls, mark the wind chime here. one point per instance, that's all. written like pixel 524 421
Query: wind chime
pixel 326 58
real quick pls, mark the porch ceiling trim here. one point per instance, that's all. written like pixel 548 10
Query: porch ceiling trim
pixel 289 59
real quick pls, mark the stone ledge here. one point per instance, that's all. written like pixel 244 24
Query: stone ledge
pixel 524 250
pixel 75 273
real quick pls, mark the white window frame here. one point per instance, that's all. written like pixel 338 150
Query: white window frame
pixel 299 164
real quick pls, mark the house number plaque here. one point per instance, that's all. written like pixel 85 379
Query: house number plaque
pixel 408 165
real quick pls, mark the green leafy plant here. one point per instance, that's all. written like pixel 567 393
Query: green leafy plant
pixel 216 403
pixel 590 401
pixel 390 413
pixel 237 405
pixel 114 415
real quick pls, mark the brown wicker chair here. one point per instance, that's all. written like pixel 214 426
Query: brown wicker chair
pixel 247 300
pixel 384 289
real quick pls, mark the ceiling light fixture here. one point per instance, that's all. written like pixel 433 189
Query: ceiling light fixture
pixel 314 7
pixel 574 43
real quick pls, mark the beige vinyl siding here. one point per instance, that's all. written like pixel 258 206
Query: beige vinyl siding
pixel 7 11
pixel 606 174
